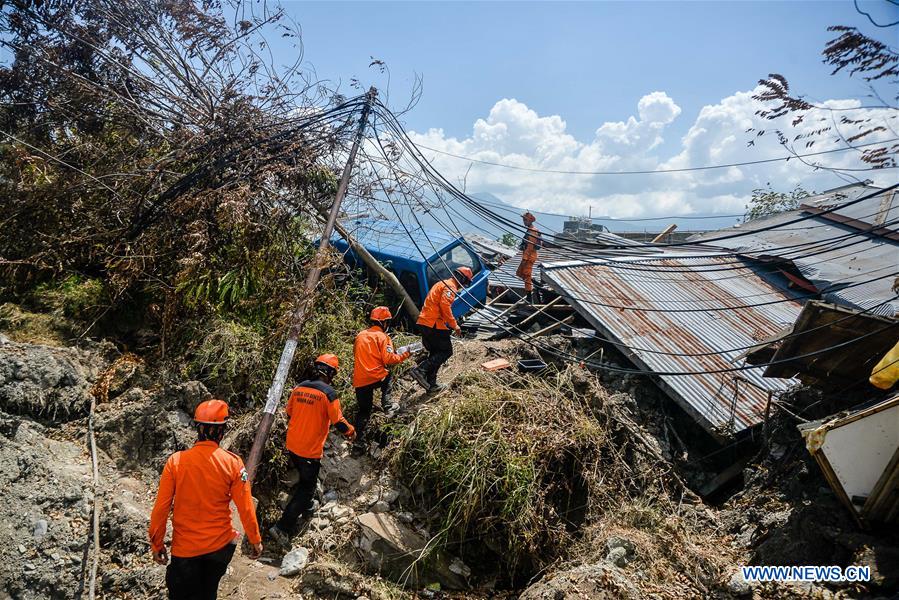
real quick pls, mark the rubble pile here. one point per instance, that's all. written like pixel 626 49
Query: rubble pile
pixel 548 486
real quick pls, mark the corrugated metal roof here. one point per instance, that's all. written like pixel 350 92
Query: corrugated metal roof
pixel 504 277
pixel 830 265
pixel 723 403
pixel 390 237
pixel 881 209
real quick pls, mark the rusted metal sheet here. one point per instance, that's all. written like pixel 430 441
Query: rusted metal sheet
pixel 611 294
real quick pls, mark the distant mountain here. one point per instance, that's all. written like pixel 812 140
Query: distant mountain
pixel 457 215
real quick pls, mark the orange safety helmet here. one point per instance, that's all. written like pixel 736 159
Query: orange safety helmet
pixel 466 273
pixel 329 360
pixel 211 412
pixel 380 313
pixel 528 217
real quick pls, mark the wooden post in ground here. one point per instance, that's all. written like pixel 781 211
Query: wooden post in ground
pixel 273 397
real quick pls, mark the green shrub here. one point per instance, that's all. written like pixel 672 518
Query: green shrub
pixel 76 297
pixel 230 358
pixel 513 466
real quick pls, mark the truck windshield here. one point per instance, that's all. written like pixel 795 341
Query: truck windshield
pixel 458 256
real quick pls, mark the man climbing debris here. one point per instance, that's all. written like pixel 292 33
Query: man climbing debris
pixel 530 243
pixel 436 324
pixel 312 408
pixel 201 483
pixel 373 352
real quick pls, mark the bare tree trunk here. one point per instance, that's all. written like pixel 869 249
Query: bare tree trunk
pixel 372 263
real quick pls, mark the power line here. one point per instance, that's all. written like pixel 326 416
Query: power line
pixel 655 171
pixel 521 333
pixel 428 169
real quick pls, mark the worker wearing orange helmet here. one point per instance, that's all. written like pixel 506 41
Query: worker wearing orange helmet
pixel 372 353
pixel 436 324
pixel 200 483
pixel 312 408
pixel 531 242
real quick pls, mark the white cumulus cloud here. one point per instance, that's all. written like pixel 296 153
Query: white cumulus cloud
pixel 514 134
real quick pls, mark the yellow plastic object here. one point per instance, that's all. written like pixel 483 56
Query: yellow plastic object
pixel 886 372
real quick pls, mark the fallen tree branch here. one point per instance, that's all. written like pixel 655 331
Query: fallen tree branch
pixel 384 273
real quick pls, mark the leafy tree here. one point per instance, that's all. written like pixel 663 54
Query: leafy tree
pixel 148 144
pixel 852 52
pixel 508 239
pixel 765 201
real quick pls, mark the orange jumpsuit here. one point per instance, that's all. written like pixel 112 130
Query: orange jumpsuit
pixel 530 244
pixel 201 482
pixel 437 311
pixel 373 353
pixel 313 407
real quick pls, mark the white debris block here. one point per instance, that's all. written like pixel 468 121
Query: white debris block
pixel 294 561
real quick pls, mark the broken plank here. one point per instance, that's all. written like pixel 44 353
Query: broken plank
pixel 540 311
pixel 545 330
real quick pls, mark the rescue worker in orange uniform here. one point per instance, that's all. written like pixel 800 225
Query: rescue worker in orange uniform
pixel 201 483
pixel 436 324
pixel 312 408
pixel 531 242
pixel 373 353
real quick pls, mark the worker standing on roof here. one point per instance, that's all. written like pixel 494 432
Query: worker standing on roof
pixel 372 353
pixel 201 483
pixel 436 323
pixel 312 408
pixel 530 243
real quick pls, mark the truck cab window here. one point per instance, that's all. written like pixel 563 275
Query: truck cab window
pixel 409 281
pixel 457 256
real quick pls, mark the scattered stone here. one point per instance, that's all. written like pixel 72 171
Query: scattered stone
pixel 391 547
pixel 390 495
pixel 598 581
pixel 330 496
pixel 620 542
pixel 380 507
pixel 40 529
pixel 617 556
pixel 21 549
pixel 293 562
pixel 339 512
pixel 318 523
pixel 460 568
pixel 738 586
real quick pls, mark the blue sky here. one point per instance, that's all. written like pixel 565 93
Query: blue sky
pixel 585 61
pixel 587 64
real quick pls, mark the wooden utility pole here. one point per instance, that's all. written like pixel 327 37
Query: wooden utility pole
pixel 298 318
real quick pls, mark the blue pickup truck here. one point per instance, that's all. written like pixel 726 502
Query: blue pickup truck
pixel 419 258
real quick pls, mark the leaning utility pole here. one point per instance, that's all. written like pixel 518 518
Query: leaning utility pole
pixel 299 316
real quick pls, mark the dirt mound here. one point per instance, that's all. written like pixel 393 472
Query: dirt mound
pixel 44 512
pixel 601 581
pixel 52 384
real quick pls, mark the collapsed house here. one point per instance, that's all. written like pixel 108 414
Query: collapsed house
pixel 735 317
